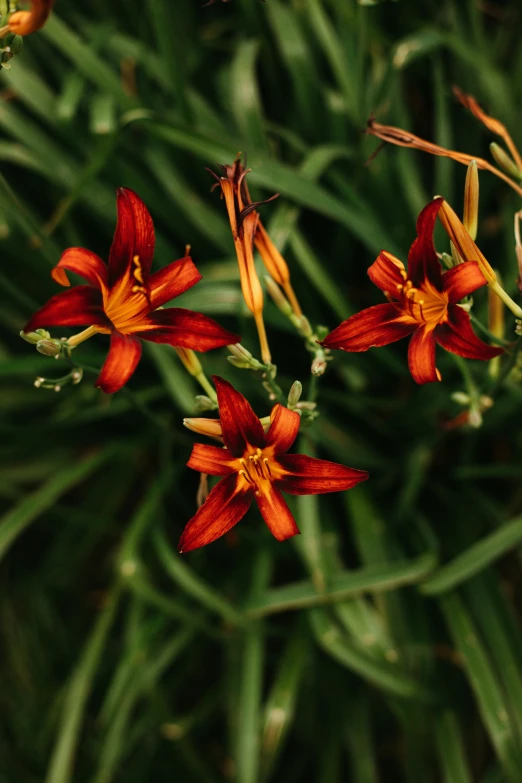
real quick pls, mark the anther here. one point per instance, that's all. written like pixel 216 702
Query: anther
pixel 255 461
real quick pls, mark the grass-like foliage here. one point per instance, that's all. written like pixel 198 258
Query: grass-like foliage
pixel 384 642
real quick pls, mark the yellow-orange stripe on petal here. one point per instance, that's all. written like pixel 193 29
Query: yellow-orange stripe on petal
pixel 464 244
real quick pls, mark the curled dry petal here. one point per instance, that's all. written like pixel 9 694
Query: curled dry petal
pixel 27 22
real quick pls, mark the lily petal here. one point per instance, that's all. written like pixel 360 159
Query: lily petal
pixel 385 272
pixel 84 263
pixel 185 328
pixel 173 280
pixel 284 426
pixel 376 326
pixel 311 476
pixel 211 460
pixel 133 238
pixel 276 514
pixel 457 336
pixel 462 280
pixel 224 507
pixel 122 359
pixel 79 306
pixel 422 258
pixel 241 427
pixel 421 356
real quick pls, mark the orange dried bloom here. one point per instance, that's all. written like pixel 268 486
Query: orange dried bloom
pixel 492 124
pixel 274 262
pixel 27 22
pixel 402 138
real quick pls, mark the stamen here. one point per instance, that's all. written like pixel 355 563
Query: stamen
pixel 245 475
pixel 267 466
pixel 255 461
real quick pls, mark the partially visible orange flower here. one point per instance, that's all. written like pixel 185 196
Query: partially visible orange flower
pixel 27 22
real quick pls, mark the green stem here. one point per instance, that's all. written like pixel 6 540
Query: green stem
pixel 471 387
pixel 508 366
pixel 206 385
pixel 270 383
pixel 508 301
pixel 494 339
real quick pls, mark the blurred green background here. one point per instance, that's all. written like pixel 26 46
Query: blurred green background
pixel 384 643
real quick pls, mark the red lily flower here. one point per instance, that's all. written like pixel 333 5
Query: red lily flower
pixel 123 297
pixel 256 467
pixel 423 303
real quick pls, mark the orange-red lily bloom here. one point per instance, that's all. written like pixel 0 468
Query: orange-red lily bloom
pixel 423 303
pixel 255 466
pixel 123 297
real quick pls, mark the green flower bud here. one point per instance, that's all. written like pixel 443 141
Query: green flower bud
pixel 294 395
pixel 48 347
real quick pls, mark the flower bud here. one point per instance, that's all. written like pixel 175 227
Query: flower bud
pixel 48 347
pixel 34 337
pixel 304 326
pixel 495 313
pixel 464 244
pixel 318 366
pixel 460 397
pixel 241 364
pixel 239 352
pixel 204 403
pixel 277 296
pixel 189 360
pixel 294 395
pixel 518 248
pixel 209 427
pixel 447 260
pixel 471 200
pixel 505 161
